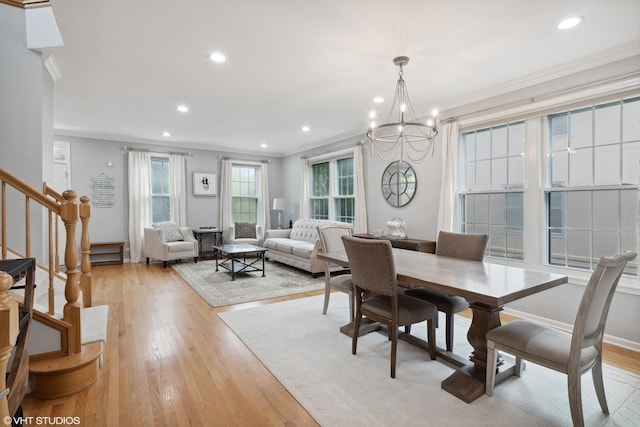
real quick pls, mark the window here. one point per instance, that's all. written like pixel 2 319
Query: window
pixel 160 198
pixel 580 201
pixel 492 197
pixel 244 194
pixel 591 198
pixel 332 192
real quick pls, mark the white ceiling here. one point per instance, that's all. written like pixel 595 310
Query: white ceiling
pixel 126 65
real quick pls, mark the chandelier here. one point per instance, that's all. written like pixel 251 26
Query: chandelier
pixel 403 134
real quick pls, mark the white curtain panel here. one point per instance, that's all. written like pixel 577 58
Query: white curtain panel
pixel 361 225
pixel 178 189
pixel 304 188
pixel 264 209
pixel 226 213
pixel 139 201
pixel 447 213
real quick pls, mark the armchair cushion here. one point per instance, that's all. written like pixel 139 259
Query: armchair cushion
pixel 170 231
pixel 245 230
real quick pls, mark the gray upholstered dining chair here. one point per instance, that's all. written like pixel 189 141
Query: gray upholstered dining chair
pixel 377 297
pixel 330 239
pixel 570 353
pixel 456 245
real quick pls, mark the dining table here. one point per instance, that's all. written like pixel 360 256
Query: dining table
pixel 487 287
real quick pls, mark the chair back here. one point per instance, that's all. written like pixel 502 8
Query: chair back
pixel 594 306
pixel 371 264
pixel 461 245
pixel 331 237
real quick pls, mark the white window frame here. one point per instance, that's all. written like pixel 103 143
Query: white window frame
pixel 333 185
pixel 163 158
pixel 257 189
pixel 534 116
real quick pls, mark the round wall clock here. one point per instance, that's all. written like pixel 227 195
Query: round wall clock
pixel 399 183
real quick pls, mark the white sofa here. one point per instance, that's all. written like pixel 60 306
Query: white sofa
pixel 298 246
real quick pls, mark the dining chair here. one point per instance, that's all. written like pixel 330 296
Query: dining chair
pixel 570 353
pixel 376 293
pixel 455 245
pixel 330 239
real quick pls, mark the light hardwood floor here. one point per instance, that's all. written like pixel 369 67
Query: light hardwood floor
pixel 170 361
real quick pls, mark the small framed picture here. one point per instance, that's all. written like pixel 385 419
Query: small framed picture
pixel 204 184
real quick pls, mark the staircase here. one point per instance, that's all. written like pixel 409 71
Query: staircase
pixel 67 332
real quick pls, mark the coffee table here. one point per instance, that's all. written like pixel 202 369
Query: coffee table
pixel 235 258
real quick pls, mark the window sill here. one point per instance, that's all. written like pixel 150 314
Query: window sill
pixel 627 285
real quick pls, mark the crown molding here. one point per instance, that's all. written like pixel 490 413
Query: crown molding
pixel 27 4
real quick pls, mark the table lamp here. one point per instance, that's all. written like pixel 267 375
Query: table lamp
pixel 279 205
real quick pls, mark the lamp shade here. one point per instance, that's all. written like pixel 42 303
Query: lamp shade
pixel 279 204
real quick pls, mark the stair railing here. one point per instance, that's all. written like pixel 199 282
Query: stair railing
pixel 67 208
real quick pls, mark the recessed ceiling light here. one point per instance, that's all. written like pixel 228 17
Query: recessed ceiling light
pixel 166 134
pixel 306 128
pixel 217 57
pixel 378 100
pixel 263 145
pixel 183 108
pixel 568 23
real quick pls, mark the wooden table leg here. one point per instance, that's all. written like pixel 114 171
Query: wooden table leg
pixel 468 383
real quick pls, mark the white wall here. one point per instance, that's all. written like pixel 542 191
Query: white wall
pixel 26 124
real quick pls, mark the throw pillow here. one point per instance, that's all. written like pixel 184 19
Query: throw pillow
pixel 170 231
pixel 245 230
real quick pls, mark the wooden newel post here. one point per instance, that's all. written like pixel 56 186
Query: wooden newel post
pixel 8 335
pixel 71 313
pixel 85 245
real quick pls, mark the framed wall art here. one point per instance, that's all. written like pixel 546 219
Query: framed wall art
pixel 204 184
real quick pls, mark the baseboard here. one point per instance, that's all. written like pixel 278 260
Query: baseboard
pixel 609 339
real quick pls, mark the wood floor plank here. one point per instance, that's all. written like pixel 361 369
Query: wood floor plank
pixel 170 360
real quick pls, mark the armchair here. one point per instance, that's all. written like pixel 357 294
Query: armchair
pixel 244 232
pixel 166 247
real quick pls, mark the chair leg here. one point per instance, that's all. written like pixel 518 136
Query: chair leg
pixel 393 328
pixel 327 294
pixel 492 360
pixel 165 263
pixel 431 337
pixel 147 260
pixel 449 331
pixel 596 372
pixel 351 314
pixel 575 398
pixel 356 328
pixel 518 367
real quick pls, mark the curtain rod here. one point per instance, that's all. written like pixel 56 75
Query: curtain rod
pixel 229 158
pixel 146 150
pixel 336 151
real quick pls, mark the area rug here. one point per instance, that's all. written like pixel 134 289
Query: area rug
pixel 306 352
pixel 217 288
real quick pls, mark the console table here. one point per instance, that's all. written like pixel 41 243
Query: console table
pixel 200 233
pixel 428 246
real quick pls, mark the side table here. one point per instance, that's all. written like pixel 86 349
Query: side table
pixel 205 234
pixel 428 246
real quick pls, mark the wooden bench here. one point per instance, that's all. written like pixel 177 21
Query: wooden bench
pixel 103 253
